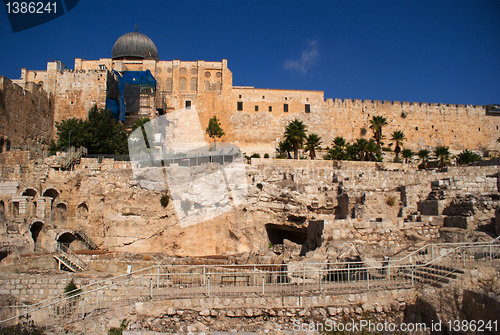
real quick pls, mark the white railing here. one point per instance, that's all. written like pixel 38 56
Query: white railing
pixel 161 282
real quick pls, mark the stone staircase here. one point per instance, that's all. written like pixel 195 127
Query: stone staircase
pixel 90 244
pixel 431 274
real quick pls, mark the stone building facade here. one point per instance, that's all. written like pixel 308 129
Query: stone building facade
pixel 254 118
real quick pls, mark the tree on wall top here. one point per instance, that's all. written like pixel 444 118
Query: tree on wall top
pixel 100 133
pixel 423 154
pixel 313 143
pixel 376 124
pixel 214 129
pixel 398 136
pixel 443 154
pixel 295 133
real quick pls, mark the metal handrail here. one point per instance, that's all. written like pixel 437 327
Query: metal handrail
pixel 416 252
pixel 74 258
pixel 182 271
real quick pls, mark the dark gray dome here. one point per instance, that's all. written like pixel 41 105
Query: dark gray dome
pixel 134 46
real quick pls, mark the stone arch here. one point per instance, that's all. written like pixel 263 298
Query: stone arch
pixel 35 229
pixel 65 239
pixel 61 211
pixel 82 211
pixel 7 145
pixel 30 192
pixel 31 206
pixel 51 193
pixel 2 143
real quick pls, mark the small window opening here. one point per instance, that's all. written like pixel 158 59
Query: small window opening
pixel 240 105
pixel 308 108
pixel 188 104
pixel 271 109
pixel 256 108
pixel 285 107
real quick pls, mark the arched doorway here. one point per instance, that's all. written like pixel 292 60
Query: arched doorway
pixel 31 208
pixel 64 241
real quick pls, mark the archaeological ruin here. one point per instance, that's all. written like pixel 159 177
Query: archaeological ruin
pixel 311 240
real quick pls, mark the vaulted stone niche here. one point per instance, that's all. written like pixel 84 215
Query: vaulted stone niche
pixel 82 211
pixel 61 212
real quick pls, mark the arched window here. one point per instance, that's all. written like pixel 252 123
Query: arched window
pixel 207 86
pixel 183 84
pixel 169 84
pixel 194 84
pixel 218 86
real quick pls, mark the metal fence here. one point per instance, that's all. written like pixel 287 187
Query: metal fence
pixel 429 265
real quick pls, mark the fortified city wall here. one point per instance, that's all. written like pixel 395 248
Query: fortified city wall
pixel 255 118
pixel 26 117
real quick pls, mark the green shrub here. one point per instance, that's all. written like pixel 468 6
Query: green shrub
pixel 266 155
pixel 119 330
pixel 255 155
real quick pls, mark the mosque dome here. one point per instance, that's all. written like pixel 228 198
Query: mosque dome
pixel 134 46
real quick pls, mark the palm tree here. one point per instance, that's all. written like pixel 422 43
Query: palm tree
pixel 372 151
pixel 443 154
pixel 295 133
pixel 376 124
pixel 284 148
pixel 361 145
pixel 407 155
pixel 339 141
pixel 423 154
pixel 397 136
pixel 313 142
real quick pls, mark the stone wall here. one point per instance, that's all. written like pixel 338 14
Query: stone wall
pixel 255 118
pixel 26 117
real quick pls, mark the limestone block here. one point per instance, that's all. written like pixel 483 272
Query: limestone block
pixel 431 207
pixel 463 222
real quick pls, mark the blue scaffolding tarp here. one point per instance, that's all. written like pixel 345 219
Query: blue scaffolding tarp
pixel 141 78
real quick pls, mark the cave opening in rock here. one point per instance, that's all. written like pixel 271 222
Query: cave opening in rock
pixel 278 233
pixel 4 254
pixel 35 229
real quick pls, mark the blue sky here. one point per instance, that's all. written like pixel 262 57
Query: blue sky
pixel 403 50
